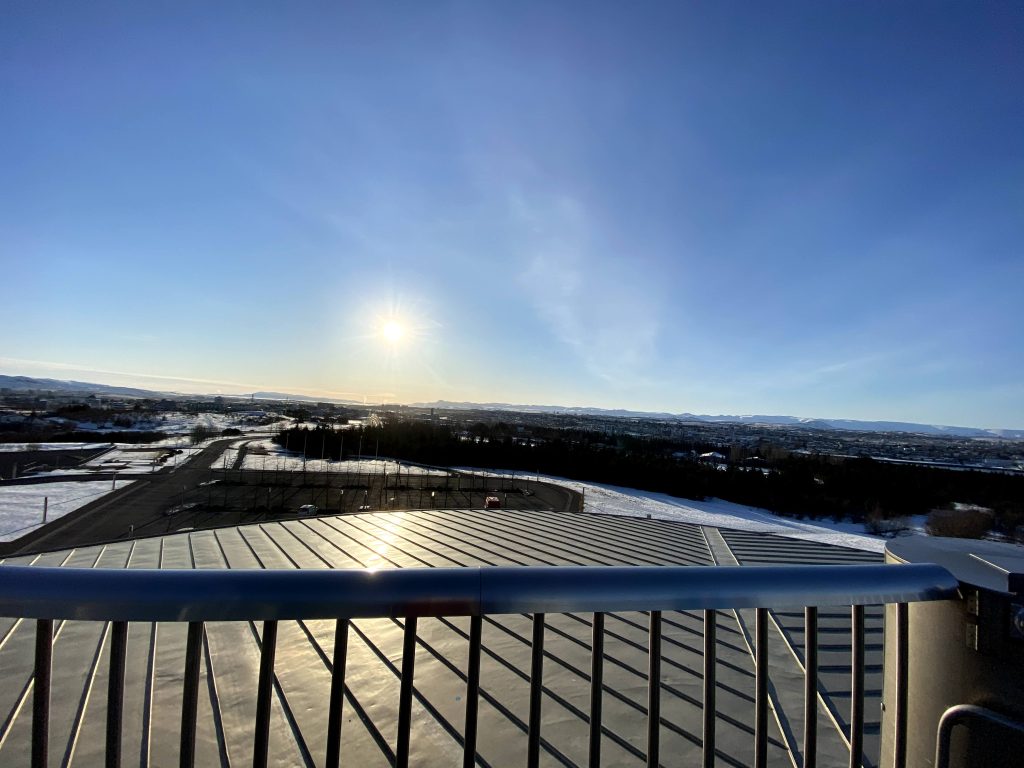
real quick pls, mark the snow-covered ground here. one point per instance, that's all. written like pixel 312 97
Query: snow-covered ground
pixel 183 423
pixel 629 502
pixel 127 460
pixel 145 457
pixel 176 423
pixel 13 447
pixel 136 459
pixel 21 506
pixel 171 423
pixel 266 454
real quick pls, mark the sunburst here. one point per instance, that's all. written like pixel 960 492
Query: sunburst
pixel 393 331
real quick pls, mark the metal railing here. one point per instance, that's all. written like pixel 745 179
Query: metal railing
pixel 964 714
pixel 198 596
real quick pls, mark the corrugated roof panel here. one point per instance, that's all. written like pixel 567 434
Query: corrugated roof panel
pixel 427 538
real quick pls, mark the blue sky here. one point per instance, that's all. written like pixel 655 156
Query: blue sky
pixel 814 209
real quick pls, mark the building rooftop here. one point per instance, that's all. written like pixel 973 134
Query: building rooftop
pixel 431 538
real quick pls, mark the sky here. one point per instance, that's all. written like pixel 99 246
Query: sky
pixel 813 209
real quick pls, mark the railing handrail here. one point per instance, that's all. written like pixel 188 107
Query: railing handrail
pixel 240 595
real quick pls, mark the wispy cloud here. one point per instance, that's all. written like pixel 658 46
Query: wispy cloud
pixel 849 368
pixel 593 301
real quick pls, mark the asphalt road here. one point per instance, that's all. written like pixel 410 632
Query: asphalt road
pixel 110 517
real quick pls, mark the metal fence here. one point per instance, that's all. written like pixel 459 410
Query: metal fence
pixel 195 597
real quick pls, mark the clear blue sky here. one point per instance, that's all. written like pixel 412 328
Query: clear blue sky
pixel 814 209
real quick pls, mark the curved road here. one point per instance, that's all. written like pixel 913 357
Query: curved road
pixel 139 510
pixel 109 517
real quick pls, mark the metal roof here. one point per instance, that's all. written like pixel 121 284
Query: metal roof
pixel 436 538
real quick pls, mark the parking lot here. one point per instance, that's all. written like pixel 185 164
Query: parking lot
pixel 206 497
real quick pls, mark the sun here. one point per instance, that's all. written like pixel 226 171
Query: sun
pixel 392 331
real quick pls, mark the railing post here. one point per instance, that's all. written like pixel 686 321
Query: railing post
pixel 41 693
pixel 190 695
pixel 810 687
pixel 857 687
pixel 472 690
pixel 596 689
pixel 115 691
pixel 264 693
pixel 337 700
pixel 902 680
pixel 405 693
pixel 710 669
pixel 761 688
pixel 654 692
pixel 536 691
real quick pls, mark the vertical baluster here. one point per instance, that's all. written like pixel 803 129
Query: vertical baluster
pixel 115 691
pixel 405 693
pixel 264 692
pixel 857 686
pixel 596 689
pixel 337 700
pixel 761 688
pixel 654 691
pixel 710 663
pixel 810 687
pixel 472 690
pixel 536 688
pixel 41 693
pixel 190 695
pixel 902 675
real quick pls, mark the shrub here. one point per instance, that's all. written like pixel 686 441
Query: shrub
pixel 879 525
pixel 970 523
pixel 201 432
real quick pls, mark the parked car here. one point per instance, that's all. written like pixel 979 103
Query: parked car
pixel 308 509
pixel 492 502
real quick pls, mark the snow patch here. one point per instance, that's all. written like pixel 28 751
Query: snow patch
pixel 21 506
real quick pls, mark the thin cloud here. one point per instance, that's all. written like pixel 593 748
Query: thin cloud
pixel 591 302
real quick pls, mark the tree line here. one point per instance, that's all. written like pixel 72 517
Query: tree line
pixel 793 485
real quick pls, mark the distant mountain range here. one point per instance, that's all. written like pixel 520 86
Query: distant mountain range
pixel 26 383
pixel 301 398
pixel 758 419
pixel 22 383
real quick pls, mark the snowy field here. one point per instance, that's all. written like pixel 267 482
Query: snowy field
pixel 21 506
pixel 14 447
pixel 136 459
pixel 629 502
pixel 268 455
pixel 127 460
pixel 174 423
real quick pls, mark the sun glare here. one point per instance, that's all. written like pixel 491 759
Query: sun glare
pixel 392 331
